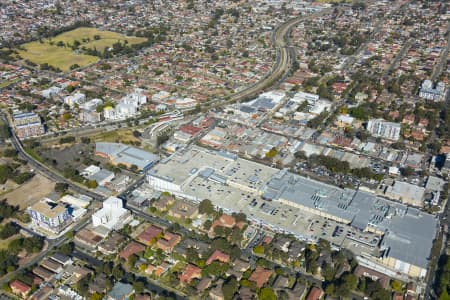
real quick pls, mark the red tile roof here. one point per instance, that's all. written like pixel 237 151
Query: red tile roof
pixel 149 234
pixel 260 276
pixel 19 286
pixel 130 249
pixel 190 129
pixel 315 294
pixel 218 255
pixel 189 273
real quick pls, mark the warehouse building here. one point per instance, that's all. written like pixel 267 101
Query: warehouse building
pixel 126 155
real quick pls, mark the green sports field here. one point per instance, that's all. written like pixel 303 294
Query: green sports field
pixel 48 52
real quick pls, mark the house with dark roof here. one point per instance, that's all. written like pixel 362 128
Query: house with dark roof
pixel 61 259
pixel 120 291
pixel 99 285
pixel 45 274
pixel 216 292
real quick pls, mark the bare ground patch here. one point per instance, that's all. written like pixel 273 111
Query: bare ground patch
pixel 30 192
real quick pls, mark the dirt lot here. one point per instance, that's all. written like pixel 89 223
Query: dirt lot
pixel 60 157
pixel 30 192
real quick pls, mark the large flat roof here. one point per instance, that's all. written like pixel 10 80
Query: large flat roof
pixel 200 173
pixel 409 232
pixel 127 155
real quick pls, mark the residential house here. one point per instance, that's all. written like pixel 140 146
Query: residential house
pixel 238 268
pixel 168 242
pixel 130 249
pixel 260 276
pixel 216 292
pixel 61 259
pixel 218 256
pixel 203 284
pixel 245 293
pixel 163 203
pixel 315 293
pixel 99 285
pixel 189 273
pixel 183 210
pixel 120 291
pixel 51 265
pixel 383 279
pixel 45 274
pixel 150 235
pixel 20 288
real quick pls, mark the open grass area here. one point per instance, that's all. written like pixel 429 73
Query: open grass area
pixel 116 136
pixel 63 57
pixel 5 242
pixel 58 57
pixel 107 38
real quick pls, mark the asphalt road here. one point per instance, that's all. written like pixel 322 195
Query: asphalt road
pixel 443 59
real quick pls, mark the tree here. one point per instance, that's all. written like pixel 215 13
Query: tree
pixel 136 133
pixel 348 283
pixel 8 230
pixel 300 155
pixel 408 171
pixel 67 248
pixel 206 207
pixel 9 152
pixel 258 249
pixel 118 272
pixel 96 296
pixel 236 236
pixel 207 225
pixel 239 217
pixel 61 187
pixel 330 289
pixel 4 130
pixel 138 286
pixel 230 287
pixel 396 285
pixel 272 153
pixel 267 294
pixel 328 272
pixel 92 184
pixel 215 269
